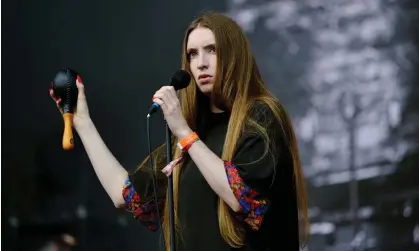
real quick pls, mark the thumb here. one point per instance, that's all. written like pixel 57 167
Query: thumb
pixel 80 88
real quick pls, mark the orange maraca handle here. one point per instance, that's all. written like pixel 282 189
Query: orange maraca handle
pixel 68 141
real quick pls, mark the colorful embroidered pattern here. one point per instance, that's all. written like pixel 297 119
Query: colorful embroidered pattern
pixel 252 208
pixel 144 211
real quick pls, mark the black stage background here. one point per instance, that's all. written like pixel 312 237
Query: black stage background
pixel 312 54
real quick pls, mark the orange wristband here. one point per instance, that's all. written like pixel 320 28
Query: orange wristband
pixel 185 143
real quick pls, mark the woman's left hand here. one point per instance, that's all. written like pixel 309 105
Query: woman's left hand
pixel 167 98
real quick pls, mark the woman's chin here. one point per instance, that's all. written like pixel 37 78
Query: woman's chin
pixel 206 89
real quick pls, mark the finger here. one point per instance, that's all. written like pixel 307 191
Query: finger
pixel 59 106
pixel 171 91
pixel 80 87
pixel 160 102
pixel 160 96
pixel 51 94
pixel 159 93
pixel 164 94
pixel 56 99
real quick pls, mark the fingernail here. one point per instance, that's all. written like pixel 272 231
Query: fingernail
pixel 79 79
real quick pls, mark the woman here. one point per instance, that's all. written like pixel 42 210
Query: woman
pixel 236 170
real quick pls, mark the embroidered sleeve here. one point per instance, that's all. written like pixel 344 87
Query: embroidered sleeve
pixel 252 171
pixel 253 205
pixel 140 188
pixel 143 208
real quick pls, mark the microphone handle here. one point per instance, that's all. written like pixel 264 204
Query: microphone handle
pixel 154 107
pixel 68 140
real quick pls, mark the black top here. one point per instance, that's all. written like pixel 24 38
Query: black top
pixel 256 176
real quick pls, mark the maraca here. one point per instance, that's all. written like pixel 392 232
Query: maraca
pixel 64 87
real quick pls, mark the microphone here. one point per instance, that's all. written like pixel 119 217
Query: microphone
pixel 64 86
pixel 179 80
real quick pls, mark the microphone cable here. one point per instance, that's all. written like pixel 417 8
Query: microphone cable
pixel 154 181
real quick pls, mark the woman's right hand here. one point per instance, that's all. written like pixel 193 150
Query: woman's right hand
pixel 81 115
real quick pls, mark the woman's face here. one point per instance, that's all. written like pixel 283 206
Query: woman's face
pixel 202 58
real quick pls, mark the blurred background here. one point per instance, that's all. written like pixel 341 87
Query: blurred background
pixel 346 70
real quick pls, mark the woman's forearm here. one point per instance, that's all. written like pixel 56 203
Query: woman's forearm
pixel 110 172
pixel 213 170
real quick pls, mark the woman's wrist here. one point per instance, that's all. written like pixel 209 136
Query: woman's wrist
pixel 183 133
pixel 84 126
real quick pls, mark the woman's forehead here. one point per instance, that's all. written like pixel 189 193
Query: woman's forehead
pixel 200 37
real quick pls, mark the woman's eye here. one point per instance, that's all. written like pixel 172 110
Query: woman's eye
pixel 192 54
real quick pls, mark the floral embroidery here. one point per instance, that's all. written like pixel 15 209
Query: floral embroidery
pixel 252 208
pixel 144 211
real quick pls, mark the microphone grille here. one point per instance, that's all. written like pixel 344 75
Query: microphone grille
pixel 180 79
